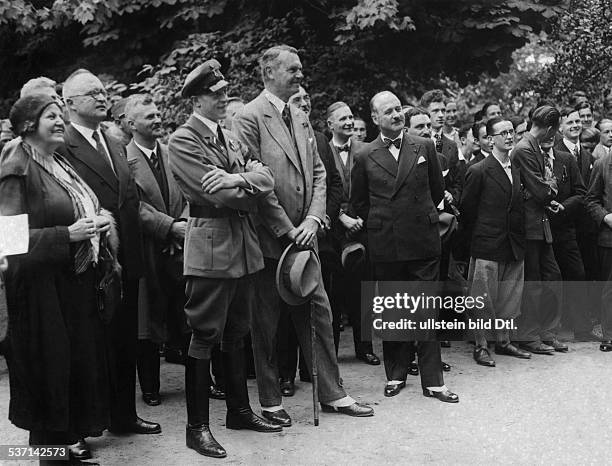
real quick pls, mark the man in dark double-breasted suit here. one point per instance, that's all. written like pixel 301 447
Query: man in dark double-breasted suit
pixel 163 217
pixel 396 185
pixel 100 160
pixel 222 253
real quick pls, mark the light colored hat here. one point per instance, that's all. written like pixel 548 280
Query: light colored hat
pixel 298 274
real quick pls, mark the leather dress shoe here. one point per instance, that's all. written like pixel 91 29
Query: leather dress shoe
pixel 606 346
pixel 80 450
pixel 446 367
pixel 392 389
pixel 557 345
pixel 356 410
pixel 537 348
pixel 280 417
pixel 216 392
pixel 247 419
pixel 447 396
pixel 413 368
pixel 511 350
pixel 152 399
pixel 483 357
pixel 287 387
pixel 369 358
pixel 200 439
pixel 139 426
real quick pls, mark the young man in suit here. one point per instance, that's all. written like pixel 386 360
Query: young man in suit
pixel 222 253
pixel 360 132
pixel 340 122
pixel 163 218
pixel 281 136
pixel 101 162
pixel 396 185
pixel 481 143
pixel 493 214
pixel 541 312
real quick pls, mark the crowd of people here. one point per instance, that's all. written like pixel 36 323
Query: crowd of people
pixel 222 248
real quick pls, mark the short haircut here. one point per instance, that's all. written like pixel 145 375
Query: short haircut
pixel 70 78
pixel 491 123
pixel 478 116
pixel 435 95
pixel 34 85
pixel 333 107
pixel 603 121
pixel 516 121
pixel 272 54
pixel 590 135
pixel 476 128
pixel 567 111
pixel 463 131
pixel 545 116
pixel 582 105
pixel 134 101
pixel 414 111
pixel 358 118
pixel 485 107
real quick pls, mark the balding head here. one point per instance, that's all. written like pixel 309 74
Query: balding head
pixel 387 113
pixel 86 99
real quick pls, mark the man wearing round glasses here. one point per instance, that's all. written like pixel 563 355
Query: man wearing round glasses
pixel 492 209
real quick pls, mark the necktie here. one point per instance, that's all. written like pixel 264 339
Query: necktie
pixel 397 142
pixel 438 139
pixel 155 159
pixel 221 137
pixel 102 150
pixel 287 119
pixel 344 148
pixel 576 152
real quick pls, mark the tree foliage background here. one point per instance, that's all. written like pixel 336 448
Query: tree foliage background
pixel 350 48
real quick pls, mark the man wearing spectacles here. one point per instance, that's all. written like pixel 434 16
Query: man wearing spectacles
pixel 493 214
pixel 101 161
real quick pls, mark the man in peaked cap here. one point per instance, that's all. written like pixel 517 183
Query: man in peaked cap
pixel 222 253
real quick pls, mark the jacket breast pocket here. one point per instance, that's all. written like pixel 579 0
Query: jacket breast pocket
pixel 208 248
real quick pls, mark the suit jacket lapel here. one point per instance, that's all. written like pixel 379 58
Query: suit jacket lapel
pixel 408 156
pixel 144 176
pixel 279 131
pixel 208 136
pixel 338 161
pixel 381 155
pixel 516 183
pixel 120 164
pixel 86 153
pixel 498 174
pixel 301 139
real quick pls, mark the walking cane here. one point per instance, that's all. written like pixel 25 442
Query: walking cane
pixel 315 376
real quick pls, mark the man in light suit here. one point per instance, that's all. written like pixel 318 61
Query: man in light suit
pixel 222 254
pixel 396 185
pixel 163 217
pixel 100 160
pixel 280 135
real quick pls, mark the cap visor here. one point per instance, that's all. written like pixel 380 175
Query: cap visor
pixel 219 85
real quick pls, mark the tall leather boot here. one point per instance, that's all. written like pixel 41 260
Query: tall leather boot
pixel 147 363
pixel 198 436
pixel 239 413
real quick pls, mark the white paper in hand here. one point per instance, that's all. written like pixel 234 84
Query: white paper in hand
pixel 14 235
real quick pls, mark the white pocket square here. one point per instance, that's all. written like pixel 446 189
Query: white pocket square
pixel 421 160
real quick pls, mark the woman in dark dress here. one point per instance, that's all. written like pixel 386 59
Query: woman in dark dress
pixel 55 351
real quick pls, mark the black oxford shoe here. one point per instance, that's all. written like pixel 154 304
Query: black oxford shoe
pixel 139 426
pixel 200 439
pixel 446 367
pixel 216 392
pixel 557 345
pixel 287 388
pixel 355 410
pixel 80 450
pixel 280 417
pixel 447 396
pixel 392 389
pixel 511 350
pixel 152 399
pixel 413 368
pixel 247 419
pixel 606 346
pixel 483 357
pixel 369 358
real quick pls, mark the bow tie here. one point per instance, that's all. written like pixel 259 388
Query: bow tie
pixel 344 148
pixel 397 142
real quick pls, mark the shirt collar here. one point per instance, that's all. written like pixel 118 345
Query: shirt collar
pixel 571 145
pixel 335 143
pixel 144 150
pixel 84 130
pixel 276 101
pixel 209 123
pixel 400 137
pixel 505 164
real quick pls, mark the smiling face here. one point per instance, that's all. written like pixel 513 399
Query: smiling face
pixel 586 117
pixel 284 75
pixel 341 123
pixel 387 114
pixel 50 130
pixel 420 125
pixel 437 112
pixel 212 105
pixel 605 135
pixel 571 126
pixel 493 111
pixel 145 120
pixel 87 99
pixel 451 114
